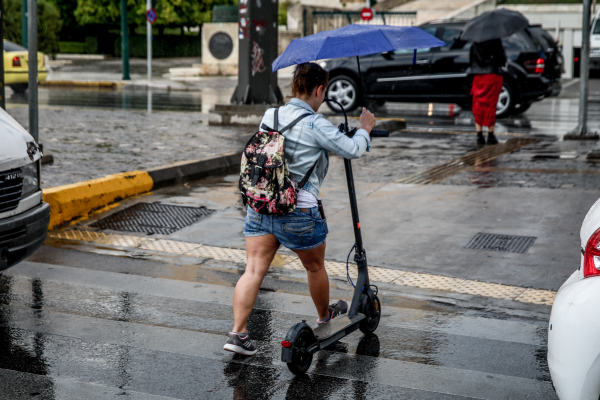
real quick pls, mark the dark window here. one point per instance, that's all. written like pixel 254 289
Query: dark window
pixel 596 28
pixel 545 39
pixel 519 41
pixel 451 36
pixel 10 46
pixel 431 30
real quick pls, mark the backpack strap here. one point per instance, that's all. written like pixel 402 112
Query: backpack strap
pixel 276 123
pixel 308 174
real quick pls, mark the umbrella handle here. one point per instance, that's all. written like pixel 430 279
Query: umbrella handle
pixel 345 129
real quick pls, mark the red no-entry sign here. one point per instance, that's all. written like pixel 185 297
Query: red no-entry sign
pixel 366 14
pixel 151 15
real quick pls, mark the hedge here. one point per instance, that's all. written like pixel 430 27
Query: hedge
pixel 162 46
pixel 71 47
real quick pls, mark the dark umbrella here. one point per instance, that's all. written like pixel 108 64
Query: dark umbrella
pixel 494 25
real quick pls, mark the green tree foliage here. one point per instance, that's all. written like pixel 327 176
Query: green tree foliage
pixel 49 24
pixel 71 30
pixel 171 13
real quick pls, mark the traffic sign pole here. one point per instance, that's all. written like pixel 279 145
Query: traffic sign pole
pixel 149 38
pixel 125 40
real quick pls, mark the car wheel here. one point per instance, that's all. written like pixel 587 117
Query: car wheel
pixel 343 89
pixel 522 108
pixel 19 88
pixel 506 101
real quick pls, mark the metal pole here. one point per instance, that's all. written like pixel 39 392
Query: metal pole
pixel 149 38
pixel 125 40
pixel 33 69
pixel 2 91
pixel 585 69
pixel 24 28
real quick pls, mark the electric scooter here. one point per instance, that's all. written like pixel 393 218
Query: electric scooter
pixel 301 341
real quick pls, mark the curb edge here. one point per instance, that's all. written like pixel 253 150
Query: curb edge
pixel 73 201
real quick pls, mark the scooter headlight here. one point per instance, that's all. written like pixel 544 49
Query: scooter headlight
pixel 31 179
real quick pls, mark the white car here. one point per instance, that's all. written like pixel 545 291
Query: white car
pixel 24 217
pixel 574 330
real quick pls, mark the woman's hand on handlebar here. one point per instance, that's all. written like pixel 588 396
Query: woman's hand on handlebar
pixel 367 120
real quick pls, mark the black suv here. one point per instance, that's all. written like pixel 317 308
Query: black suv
pixel 440 74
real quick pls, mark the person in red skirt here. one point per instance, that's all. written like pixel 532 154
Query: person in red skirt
pixel 487 60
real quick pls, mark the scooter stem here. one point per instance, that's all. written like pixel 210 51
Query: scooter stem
pixel 362 283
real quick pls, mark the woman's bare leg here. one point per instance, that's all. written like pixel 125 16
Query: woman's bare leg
pixel 260 251
pixel 491 129
pixel 318 281
pixel 478 127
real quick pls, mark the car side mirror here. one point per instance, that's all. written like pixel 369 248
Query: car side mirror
pixel 387 55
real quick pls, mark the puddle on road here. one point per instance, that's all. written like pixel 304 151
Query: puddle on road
pixel 128 98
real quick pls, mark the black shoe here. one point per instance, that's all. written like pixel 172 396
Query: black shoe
pixel 238 345
pixel 335 310
pixel 480 138
pixel 491 139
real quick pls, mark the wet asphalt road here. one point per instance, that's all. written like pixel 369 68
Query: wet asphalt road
pixel 77 325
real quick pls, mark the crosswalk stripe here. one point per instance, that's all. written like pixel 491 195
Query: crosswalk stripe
pixel 301 307
pixel 61 388
pixel 334 268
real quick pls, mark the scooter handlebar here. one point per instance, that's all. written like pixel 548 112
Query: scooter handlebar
pixel 374 133
pixel 377 133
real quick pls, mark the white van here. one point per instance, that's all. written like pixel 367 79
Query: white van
pixel 24 217
pixel 595 43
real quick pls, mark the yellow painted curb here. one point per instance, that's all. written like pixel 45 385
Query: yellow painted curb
pixel 107 84
pixel 78 199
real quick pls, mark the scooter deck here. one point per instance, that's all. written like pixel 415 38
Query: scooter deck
pixel 336 329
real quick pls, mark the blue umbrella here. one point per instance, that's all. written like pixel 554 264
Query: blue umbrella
pixel 354 40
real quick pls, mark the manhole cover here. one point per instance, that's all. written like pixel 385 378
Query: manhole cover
pixel 152 218
pixel 511 243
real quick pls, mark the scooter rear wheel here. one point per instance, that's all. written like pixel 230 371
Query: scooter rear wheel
pixel 372 311
pixel 301 359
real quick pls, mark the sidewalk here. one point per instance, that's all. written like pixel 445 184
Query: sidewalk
pixel 423 228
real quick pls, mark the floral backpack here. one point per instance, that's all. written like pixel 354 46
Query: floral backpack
pixel 265 182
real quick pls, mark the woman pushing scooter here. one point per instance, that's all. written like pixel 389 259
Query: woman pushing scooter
pixel 304 230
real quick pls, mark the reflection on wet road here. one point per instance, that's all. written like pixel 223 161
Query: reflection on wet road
pixel 127 334
pixel 551 116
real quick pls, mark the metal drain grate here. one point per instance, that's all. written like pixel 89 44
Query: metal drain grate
pixel 510 243
pixel 152 218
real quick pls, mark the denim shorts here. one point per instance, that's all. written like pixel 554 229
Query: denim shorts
pixel 303 229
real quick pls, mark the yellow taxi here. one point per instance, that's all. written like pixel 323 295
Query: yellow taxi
pixel 16 70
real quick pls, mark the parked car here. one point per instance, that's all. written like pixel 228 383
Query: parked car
pixel 553 60
pixel 16 68
pixel 440 74
pixel 24 217
pixel 594 44
pixel 573 348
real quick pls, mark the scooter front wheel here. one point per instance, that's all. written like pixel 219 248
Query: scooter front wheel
pixel 372 310
pixel 301 358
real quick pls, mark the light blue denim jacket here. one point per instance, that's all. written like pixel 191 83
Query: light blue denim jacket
pixel 311 139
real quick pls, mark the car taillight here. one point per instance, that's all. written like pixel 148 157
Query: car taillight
pixel 16 62
pixel 536 66
pixel 591 256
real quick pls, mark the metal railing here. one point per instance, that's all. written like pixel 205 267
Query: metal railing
pixel 318 21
